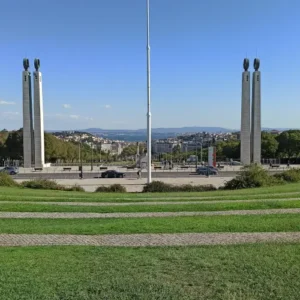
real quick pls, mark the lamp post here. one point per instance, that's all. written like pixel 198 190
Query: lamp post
pixel 196 155
pixel 100 152
pixel 148 94
pixel 201 152
pixel 92 157
pixel 80 158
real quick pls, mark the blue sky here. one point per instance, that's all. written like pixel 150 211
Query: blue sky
pixel 93 59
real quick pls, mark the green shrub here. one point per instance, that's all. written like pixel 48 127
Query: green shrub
pixel 6 180
pixel 193 188
pixel 156 187
pixel 292 175
pixel 114 188
pixel 43 184
pixel 252 176
pixel 161 187
pixel 75 188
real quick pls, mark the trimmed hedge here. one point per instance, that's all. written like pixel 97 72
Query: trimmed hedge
pixel 6 180
pixel 114 188
pixel 161 187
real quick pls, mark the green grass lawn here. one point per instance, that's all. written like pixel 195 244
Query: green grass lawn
pixel 250 223
pixel 17 194
pixel 247 272
pixel 33 207
pixel 159 198
pixel 42 193
pixel 240 272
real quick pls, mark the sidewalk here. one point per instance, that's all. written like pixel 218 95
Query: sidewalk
pixel 136 185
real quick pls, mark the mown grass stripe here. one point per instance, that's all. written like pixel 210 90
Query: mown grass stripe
pixel 288 188
pixel 245 223
pixel 256 271
pixel 151 207
pixel 25 198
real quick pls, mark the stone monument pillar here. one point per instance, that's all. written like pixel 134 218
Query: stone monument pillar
pixel 246 116
pixel 28 140
pixel 38 117
pixel 256 114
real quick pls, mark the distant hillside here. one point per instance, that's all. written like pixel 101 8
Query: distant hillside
pixel 161 130
pixel 157 133
pixel 140 135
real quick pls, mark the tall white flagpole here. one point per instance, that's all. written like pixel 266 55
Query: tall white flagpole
pixel 148 96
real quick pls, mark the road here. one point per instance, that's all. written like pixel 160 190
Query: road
pixel 90 175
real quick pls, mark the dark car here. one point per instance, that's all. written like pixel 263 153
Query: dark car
pixel 112 174
pixel 207 171
pixel 10 170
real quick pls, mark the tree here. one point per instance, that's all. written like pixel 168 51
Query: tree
pixel 229 149
pixel 14 145
pixel 269 145
pixel 289 143
pixel 131 150
pixel 176 149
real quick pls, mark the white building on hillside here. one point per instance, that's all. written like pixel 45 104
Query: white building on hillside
pixel 163 146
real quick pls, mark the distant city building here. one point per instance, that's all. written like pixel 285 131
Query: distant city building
pixel 164 146
pixel 116 148
pixel 106 147
pixel 190 146
pixel 275 132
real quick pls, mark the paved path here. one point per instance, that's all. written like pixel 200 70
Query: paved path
pixel 128 175
pixel 137 185
pixel 142 240
pixel 145 203
pixel 64 215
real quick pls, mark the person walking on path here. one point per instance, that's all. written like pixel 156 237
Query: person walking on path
pixel 139 173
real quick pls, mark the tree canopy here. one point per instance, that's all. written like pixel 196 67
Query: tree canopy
pixel 289 143
pixel 11 147
pixel 285 145
pixel 269 145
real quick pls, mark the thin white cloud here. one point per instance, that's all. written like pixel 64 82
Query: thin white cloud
pixel 107 106
pixel 66 117
pixel 2 102
pixel 10 113
pixel 57 116
pixel 74 116
pixel 66 106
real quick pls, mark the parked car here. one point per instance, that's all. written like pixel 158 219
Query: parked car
pixel 112 174
pixel 213 168
pixel 207 170
pixel 10 170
